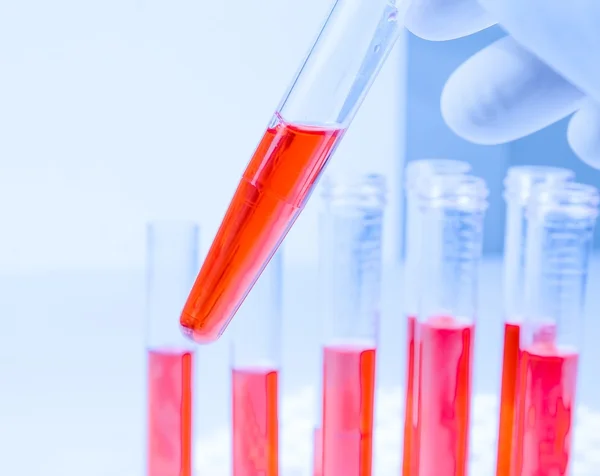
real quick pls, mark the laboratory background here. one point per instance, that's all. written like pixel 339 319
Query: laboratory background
pixel 115 114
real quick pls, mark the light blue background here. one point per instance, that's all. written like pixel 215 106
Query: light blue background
pixel 116 112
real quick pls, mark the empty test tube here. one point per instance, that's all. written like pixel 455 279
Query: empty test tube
pixel 561 221
pixel 518 185
pixel 304 132
pixel 256 355
pixel 415 171
pixel 171 265
pixel 350 266
pixel 453 209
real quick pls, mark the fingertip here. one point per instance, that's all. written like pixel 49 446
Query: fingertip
pixel 468 117
pixel 504 93
pixel 583 134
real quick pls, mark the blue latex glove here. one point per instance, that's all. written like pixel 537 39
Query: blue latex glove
pixel 547 69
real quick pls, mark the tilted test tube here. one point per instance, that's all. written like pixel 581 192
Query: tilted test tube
pixel 171 265
pixel 350 261
pixel 453 209
pixel 256 365
pixel 416 171
pixel 518 185
pixel 312 118
pixel 560 229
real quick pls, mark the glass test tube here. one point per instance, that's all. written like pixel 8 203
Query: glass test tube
pixel 171 265
pixel 416 171
pixel 350 261
pixel 322 101
pixel 452 209
pixel 255 376
pixel 560 228
pixel 518 184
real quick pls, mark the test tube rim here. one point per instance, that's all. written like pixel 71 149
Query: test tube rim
pixel 416 169
pixel 463 191
pixel 360 187
pixel 521 179
pixel 568 197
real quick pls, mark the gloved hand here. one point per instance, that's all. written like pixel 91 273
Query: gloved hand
pixel 548 68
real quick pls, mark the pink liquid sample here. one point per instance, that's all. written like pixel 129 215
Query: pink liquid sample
pixel 410 451
pixel 348 407
pixel 255 422
pixel 546 408
pixel 170 413
pixel 446 354
pixel 318 452
pixel 508 399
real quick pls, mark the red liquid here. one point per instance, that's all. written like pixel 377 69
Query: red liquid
pixel 318 452
pixel 269 198
pixel 255 422
pixel 510 376
pixel 546 407
pixel 348 406
pixel 444 396
pixel 410 456
pixel 170 413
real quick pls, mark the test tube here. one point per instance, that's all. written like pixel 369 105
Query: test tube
pixel 518 184
pixel 350 261
pixel 312 118
pixel 560 228
pixel 255 376
pixel 416 171
pixel 453 209
pixel 171 265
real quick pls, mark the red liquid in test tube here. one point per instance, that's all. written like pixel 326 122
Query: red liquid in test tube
pixel 350 254
pixel 561 220
pixel 269 198
pixel 519 183
pixel 410 454
pixel 318 452
pixel 172 262
pixel 255 377
pixel 348 406
pixel 446 355
pixel 317 109
pixel 547 407
pixel 415 172
pixel 170 432
pixel 508 398
pixel 444 332
pixel 255 422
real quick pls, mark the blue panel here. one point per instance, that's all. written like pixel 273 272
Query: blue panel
pixel 429 66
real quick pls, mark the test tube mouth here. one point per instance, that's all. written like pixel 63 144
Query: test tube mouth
pixel 576 199
pixel 521 179
pixel 465 192
pixel 364 191
pixel 417 169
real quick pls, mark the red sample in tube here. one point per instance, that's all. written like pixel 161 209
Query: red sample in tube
pixel 508 397
pixel 446 352
pixel 269 198
pixel 318 452
pixel 255 422
pixel 410 453
pixel 170 413
pixel 546 408
pixel 348 407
